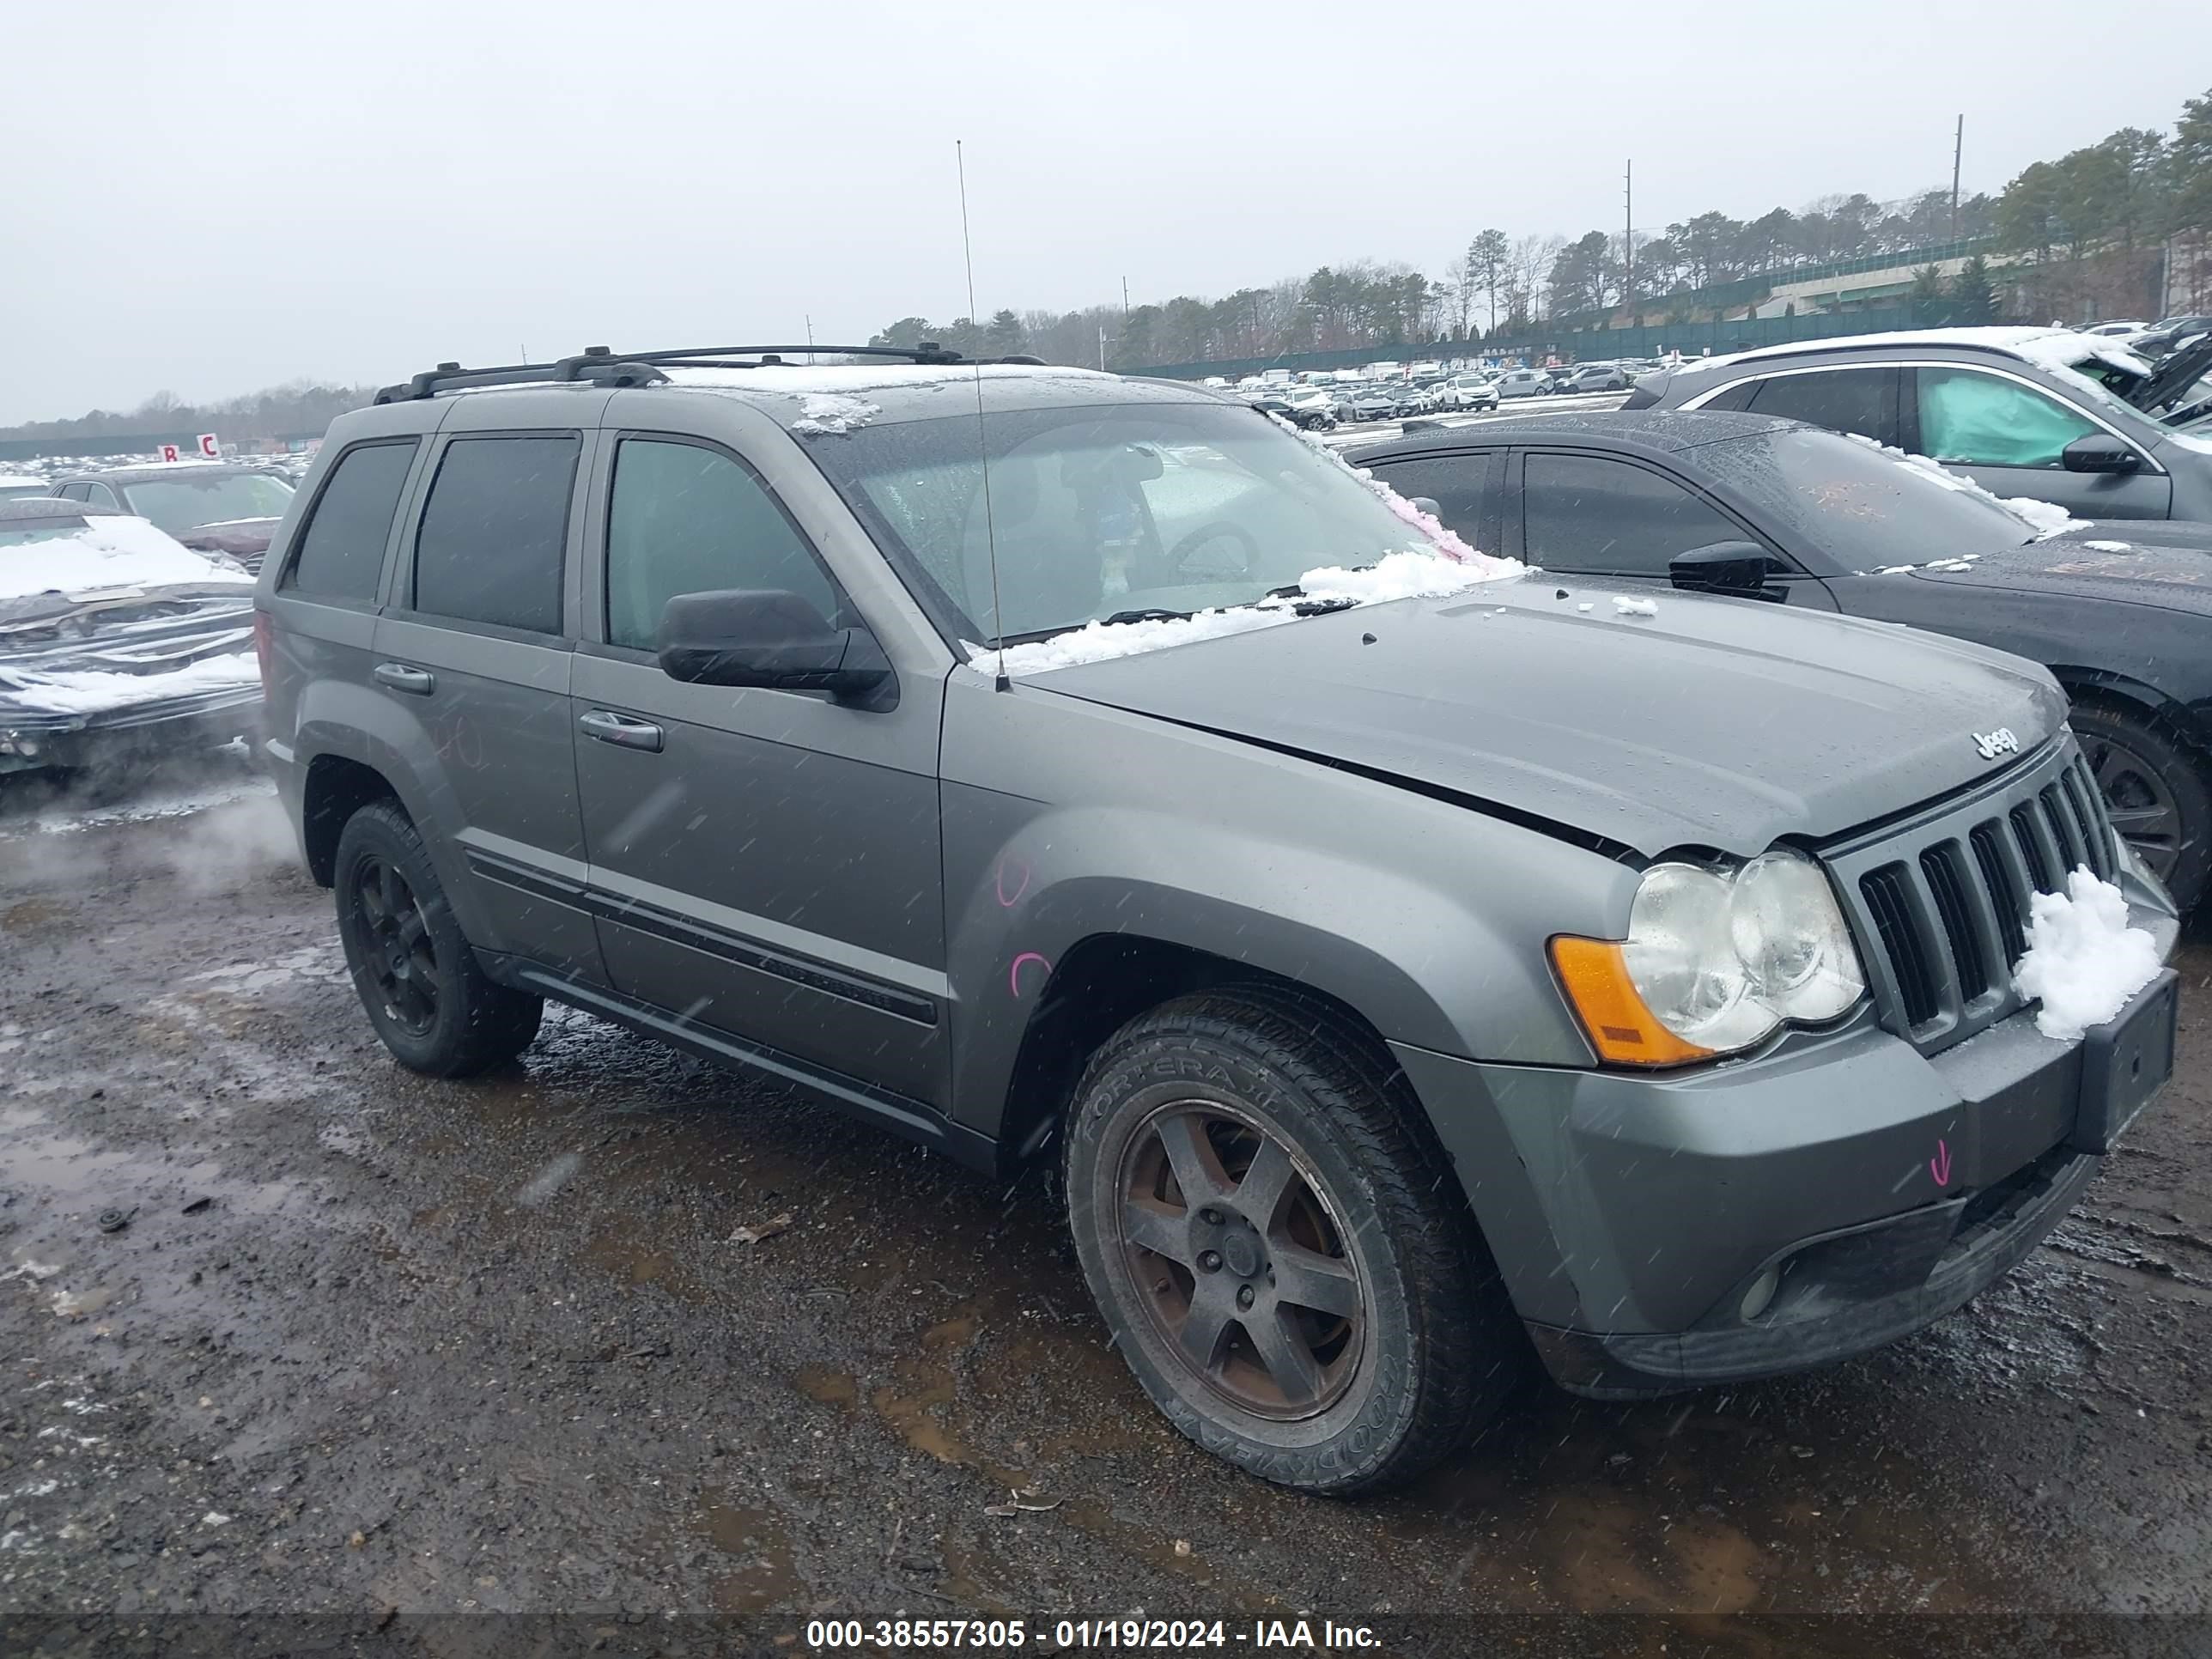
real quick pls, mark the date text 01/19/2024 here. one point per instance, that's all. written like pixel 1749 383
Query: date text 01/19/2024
pixel 1137 1633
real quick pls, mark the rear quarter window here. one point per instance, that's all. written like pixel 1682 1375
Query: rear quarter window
pixel 494 528
pixel 341 553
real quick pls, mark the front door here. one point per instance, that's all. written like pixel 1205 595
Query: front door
pixel 766 863
pixel 2008 436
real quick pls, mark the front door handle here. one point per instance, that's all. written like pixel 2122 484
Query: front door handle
pixel 415 682
pixel 609 728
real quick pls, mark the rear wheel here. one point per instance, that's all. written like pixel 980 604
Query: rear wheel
pixel 2155 791
pixel 418 976
pixel 1268 1236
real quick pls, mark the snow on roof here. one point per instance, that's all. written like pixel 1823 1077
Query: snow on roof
pixel 2050 348
pixel 108 551
pixel 798 378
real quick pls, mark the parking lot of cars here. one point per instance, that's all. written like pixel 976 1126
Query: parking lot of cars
pixel 1484 883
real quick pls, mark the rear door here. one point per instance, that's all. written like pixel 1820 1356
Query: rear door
pixel 2008 433
pixel 475 648
pixel 767 862
pixel 1590 515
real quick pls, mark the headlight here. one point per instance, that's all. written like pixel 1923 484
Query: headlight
pixel 1714 961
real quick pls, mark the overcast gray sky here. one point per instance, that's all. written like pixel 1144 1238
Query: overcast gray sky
pixel 210 198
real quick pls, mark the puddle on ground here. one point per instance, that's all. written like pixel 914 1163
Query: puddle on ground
pixel 828 1387
pixel 764 1575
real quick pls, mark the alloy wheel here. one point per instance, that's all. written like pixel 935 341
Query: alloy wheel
pixel 1238 1260
pixel 396 945
pixel 2136 798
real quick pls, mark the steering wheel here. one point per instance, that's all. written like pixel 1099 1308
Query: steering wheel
pixel 1180 555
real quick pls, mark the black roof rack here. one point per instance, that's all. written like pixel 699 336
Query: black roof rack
pixel 602 365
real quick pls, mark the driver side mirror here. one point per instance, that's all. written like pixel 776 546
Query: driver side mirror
pixel 1739 569
pixel 2099 451
pixel 773 640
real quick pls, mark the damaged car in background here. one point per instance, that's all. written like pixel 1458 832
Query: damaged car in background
pixel 116 643
pixel 213 506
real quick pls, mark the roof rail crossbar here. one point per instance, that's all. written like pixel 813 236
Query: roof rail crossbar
pixel 604 367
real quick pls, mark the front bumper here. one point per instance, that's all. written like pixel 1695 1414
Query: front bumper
pixel 1836 1193
pixel 34 741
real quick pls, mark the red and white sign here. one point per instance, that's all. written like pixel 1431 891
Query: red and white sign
pixel 171 453
pixel 210 448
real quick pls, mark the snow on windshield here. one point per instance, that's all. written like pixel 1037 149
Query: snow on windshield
pixel 1438 564
pixel 2045 519
pixel 101 553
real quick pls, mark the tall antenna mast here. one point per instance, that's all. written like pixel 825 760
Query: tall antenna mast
pixel 982 434
pixel 1958 150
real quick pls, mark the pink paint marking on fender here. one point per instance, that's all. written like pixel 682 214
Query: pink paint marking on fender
pixel 1014 972
pixel 1006 900
pixel 1939 1165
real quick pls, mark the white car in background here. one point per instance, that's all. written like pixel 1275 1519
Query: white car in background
pixel 1466 391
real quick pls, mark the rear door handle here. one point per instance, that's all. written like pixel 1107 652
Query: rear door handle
pixel 415 682
pixel 609 728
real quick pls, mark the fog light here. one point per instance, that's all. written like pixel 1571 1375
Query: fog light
pixel 1761 1295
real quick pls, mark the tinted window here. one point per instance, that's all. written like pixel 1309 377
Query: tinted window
pixel 1736 398
pixel 1841 399
pixel 1587 513
pixel 101 496
pixel 685 519
pixel 489 547
pixel 1981 420
pixel 342 550
pixel 1458 484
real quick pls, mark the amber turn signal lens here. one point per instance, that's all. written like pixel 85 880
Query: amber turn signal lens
pixel 1595 977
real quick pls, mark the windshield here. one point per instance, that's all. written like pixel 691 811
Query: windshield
pixel 1869 509
pixel 179 504
pixel 1100 510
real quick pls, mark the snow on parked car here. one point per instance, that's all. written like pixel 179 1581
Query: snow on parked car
pixel 116 640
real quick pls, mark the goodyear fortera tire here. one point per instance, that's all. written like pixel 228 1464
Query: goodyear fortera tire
pixel 1259 1215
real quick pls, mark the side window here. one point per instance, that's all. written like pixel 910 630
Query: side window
pixel 101 496
pixel 1586 512
pixel 1983 420
pixel 489 547
pixel 1736 398
pixel 342 550
pixel 1460 485
pixel 1841 399
pixel 688 519
pixel 74 492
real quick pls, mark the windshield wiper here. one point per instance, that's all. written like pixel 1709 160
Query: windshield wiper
pixel 1147 613
pixel 1313 607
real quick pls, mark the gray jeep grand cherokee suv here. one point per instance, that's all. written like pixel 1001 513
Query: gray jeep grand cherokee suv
pixel 1396 983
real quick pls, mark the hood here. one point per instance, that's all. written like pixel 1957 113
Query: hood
pixel 2136 560
pixel 1727 723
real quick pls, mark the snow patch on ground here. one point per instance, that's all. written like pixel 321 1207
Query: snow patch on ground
pixel 66 693
pixel 2083 960
pixel 833 413
pixel 2110 547
pixel 1624 607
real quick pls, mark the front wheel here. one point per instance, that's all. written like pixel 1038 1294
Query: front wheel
pixel 417 975
pixel 1270 1241
pixel 2156 794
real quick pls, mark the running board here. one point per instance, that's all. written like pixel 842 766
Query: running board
pixel 907 1118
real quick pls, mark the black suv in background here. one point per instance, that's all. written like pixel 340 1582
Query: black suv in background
pixel 1408 973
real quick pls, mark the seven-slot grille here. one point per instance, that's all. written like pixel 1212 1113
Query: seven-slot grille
pixel 1943 909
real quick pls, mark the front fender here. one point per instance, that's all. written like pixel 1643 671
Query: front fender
pixel 1427 918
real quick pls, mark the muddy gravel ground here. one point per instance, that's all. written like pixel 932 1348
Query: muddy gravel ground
pixel 302 1349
